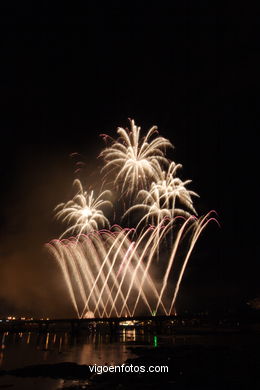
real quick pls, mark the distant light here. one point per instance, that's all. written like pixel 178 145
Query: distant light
pixel 89 314
pixel 126 323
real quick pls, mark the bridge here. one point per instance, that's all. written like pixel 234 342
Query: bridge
pixel 77 323
pixel 112 324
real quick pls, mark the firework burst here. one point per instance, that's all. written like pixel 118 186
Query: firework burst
pixel 135 161
pixel 110 272
pixel 160 201
pixel 83 211
pixel 171 188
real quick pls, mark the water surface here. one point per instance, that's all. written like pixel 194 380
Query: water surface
pixel 19 350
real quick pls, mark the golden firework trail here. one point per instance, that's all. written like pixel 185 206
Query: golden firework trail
pixel 117 271
pixel 110 272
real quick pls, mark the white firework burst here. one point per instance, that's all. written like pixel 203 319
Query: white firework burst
pixel 135 161
pixel 172 188
pixel 150 205
pixel 83 213
pixel 160 201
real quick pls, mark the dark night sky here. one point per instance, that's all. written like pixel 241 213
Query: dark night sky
pixel 69 74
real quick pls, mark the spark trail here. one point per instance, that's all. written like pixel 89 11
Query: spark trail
pixel 112 271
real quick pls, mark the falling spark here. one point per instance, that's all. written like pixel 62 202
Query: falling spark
pixel 108 272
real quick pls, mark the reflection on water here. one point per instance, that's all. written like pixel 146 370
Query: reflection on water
pixel 18 350
pixel 21 349
pixel 129 334
pixel 2 348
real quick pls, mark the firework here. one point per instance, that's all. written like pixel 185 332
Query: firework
pixel 117 271
pixel 135 161
pixel 172 188
pixel 109 272
pixel 160 200
pixel 83 211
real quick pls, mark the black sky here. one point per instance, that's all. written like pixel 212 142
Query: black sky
pixel 71 73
